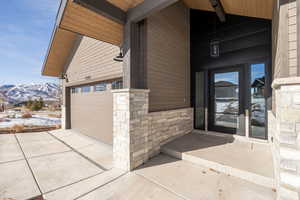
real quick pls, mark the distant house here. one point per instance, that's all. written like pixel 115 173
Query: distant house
pixel 226 89
pixel 258 87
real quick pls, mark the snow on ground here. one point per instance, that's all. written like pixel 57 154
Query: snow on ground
pixel 231 106
pixel 36 120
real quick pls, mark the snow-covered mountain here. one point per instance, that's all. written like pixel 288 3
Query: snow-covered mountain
pixel 23 92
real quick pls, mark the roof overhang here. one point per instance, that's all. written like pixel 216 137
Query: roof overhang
pixel 89 18
pixel 72 20
pixel 61 46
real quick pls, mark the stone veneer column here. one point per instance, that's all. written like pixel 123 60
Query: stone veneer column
pixel 130 128
pixel 287 96
pixel 63 117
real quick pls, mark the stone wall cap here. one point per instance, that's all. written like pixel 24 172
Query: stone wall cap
pixel 130 90
pixel 172 110
pixel 285 81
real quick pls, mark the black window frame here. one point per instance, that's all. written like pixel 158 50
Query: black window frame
pixel 104 86
pixel 86 87
pixel 118 84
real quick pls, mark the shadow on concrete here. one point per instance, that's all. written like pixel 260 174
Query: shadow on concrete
pixel 190 142
pixel 197 141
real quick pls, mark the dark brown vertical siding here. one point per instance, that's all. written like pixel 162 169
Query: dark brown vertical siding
pixel 168 65
pixel 93 59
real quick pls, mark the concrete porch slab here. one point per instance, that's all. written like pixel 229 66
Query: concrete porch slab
pixel 43 147
pixel 16 181
pixel 10 152
pixel 131 187
pixel 82 188
pixel 58 170
pixel 194 182
pixel 250 161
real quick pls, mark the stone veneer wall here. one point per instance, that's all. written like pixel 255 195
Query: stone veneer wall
pixel 130 128
pixel 63 117
pixel 138 135
pixel 285 129
pixel 165 126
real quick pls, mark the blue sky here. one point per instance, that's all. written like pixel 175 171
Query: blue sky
pixel 25 31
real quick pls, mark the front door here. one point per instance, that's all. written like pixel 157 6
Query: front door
pixel 225 100
pixel 233 100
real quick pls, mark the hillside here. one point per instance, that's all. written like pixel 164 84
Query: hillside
pixel 19 93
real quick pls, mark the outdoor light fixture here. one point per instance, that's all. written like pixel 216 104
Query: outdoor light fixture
pixel 119 58
pixel 65 77
pixel 215 48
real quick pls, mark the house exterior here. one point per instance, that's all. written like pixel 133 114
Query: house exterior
pixel 229 66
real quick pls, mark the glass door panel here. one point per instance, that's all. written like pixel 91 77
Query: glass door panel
pixel 225 100
pixel 258 102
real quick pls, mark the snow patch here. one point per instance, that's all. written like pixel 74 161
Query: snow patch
pixel 36 120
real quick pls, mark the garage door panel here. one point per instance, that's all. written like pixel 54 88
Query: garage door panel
pixel 91 114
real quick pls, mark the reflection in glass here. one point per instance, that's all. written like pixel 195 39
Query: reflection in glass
pixel 199 103
pixel 258 102
pixel 226 99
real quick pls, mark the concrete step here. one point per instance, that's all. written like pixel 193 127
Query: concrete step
pixel 216 159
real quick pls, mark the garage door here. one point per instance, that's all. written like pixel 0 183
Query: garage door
pixel 91 112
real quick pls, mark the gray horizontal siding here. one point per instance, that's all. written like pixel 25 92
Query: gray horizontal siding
pixel 93 59
pixel 168 68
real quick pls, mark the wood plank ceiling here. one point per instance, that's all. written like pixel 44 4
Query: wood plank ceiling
pixel 125 4
pixel 61 47
pixel 81 20
pixel 250 8
pixel 78 20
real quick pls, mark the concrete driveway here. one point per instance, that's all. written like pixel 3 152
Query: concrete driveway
pixel 66 165
pixel 32 164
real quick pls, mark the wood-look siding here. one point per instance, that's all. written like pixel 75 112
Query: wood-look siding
pixel 81 20
pixel 93 60
pixel 249 8
pixel 168 66
pixel 125 4
pixel 61 46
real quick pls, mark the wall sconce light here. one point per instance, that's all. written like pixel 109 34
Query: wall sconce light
pixel 64 77
pixel 119 58
pixel 215 48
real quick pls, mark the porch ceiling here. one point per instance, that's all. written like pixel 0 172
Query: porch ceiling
pixel 250 8
pixel 125 4
pixel 61 46
pixel 75 19
pixel 81 20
